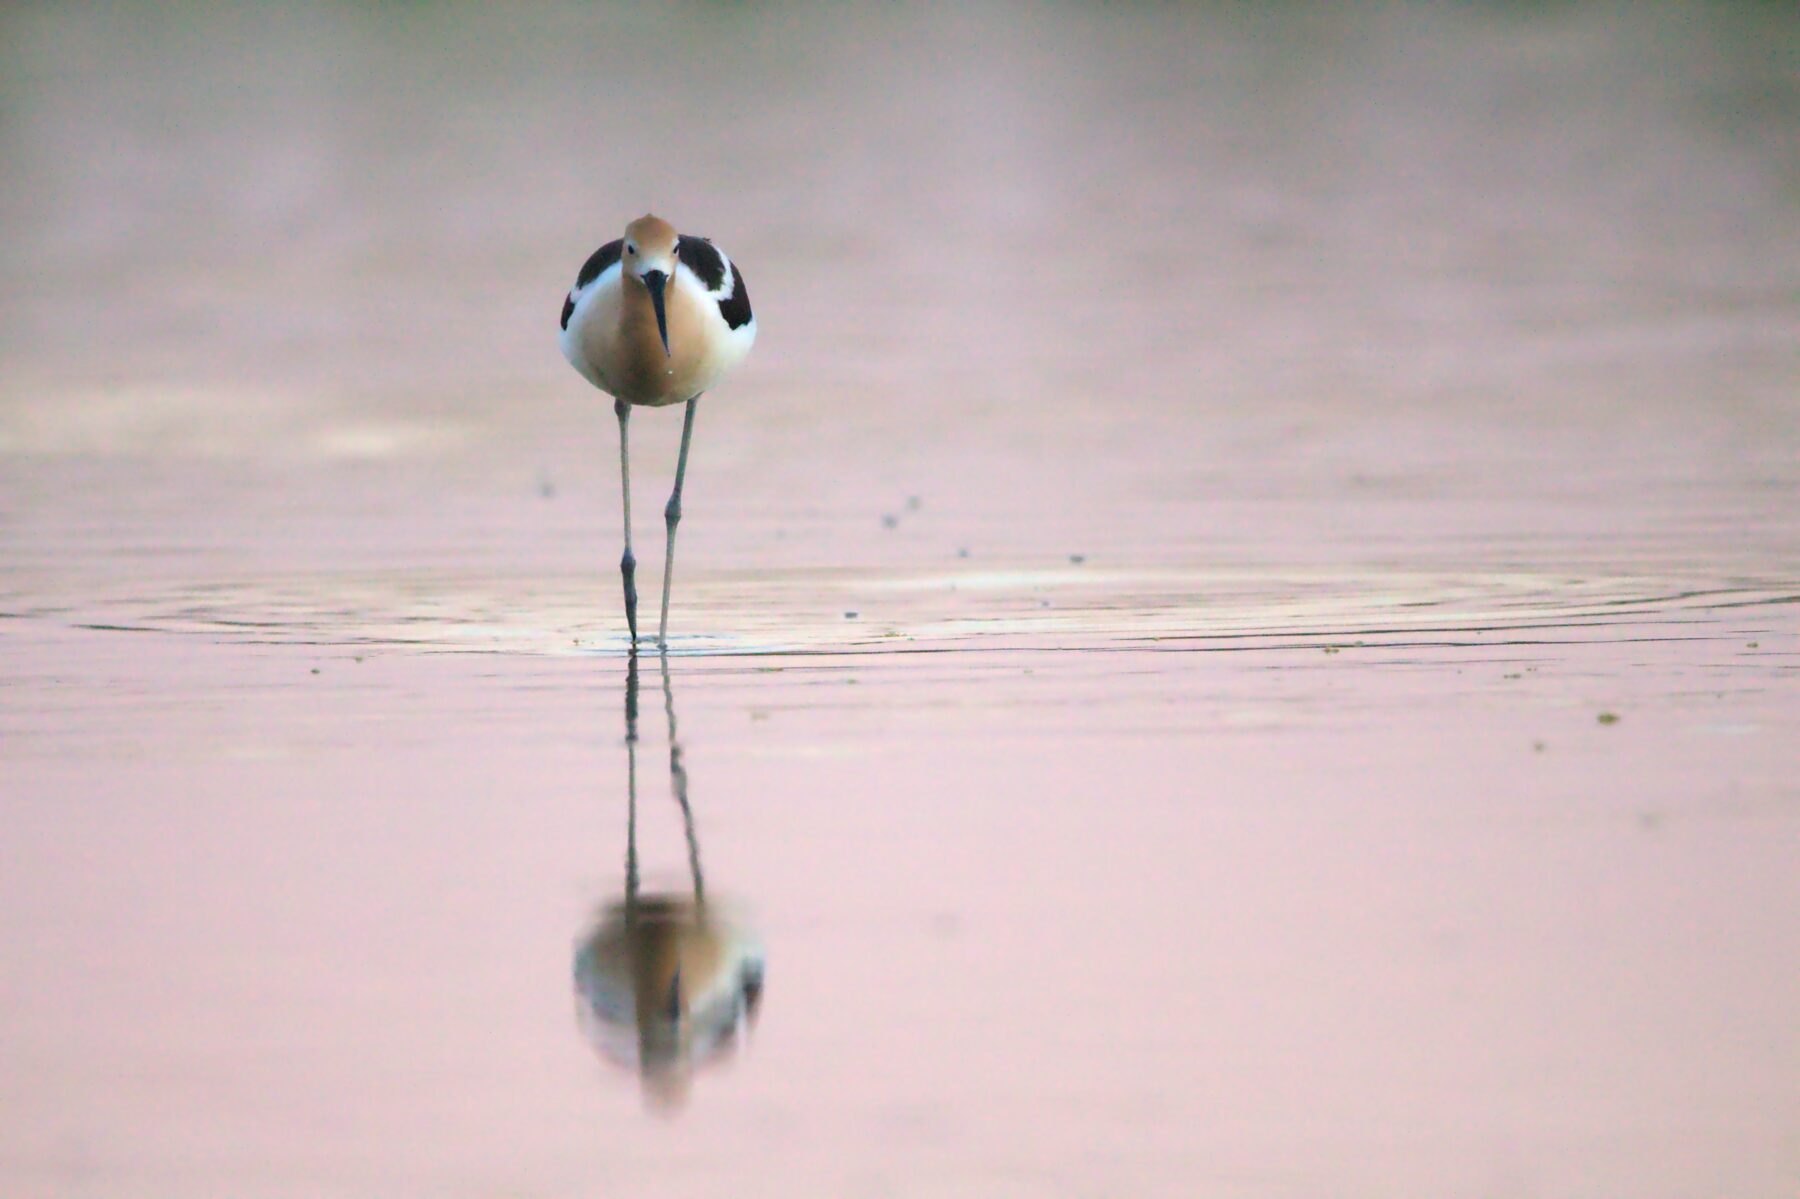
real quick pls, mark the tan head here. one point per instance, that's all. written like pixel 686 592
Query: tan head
pixel 649 257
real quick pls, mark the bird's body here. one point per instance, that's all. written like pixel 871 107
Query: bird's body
pixel 610 332
pixel 654 319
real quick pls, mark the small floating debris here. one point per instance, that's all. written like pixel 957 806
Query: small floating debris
pixel 315 670
pixel 1077 559
pixel 1609 718
pixel 889 521
pixel 962 551
pixel 852 615
pixel 912 503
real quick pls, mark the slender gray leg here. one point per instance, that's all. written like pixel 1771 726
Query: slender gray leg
pixel 627 564
pixel 672 517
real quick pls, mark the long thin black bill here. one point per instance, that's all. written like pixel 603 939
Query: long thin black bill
pixel 655 281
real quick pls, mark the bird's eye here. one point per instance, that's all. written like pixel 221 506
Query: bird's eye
pixel 631 249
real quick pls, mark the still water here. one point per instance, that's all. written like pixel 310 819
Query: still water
pixel 1237 635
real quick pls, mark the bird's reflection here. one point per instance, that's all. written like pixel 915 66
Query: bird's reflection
pixel 665 982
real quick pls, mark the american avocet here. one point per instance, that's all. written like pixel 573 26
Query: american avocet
pixel 655 319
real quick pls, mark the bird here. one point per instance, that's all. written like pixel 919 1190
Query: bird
pixel 656 318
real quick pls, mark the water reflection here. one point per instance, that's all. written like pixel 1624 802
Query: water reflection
pixel 665 982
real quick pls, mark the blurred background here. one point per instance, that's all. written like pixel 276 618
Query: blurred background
pixel 1186 251
pixel 1458 341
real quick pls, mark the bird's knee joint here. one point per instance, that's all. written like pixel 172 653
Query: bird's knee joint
pixel 672 511
pixel 627 564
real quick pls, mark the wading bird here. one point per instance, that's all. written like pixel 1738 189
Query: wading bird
pixel 656 318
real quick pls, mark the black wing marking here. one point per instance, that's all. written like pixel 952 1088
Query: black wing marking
pixel 598 261
pixel 735 308
pixel 702 257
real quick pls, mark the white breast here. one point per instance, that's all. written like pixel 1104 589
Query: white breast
pixel 592 335
pixel 596 306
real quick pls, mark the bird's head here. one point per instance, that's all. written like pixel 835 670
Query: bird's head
pixel 649 257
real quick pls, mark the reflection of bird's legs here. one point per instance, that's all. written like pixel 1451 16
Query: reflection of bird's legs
pixel 631 737
pixel 678 780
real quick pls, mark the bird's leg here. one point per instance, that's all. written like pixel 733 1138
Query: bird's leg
pixel 627 564
pixel 672 517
